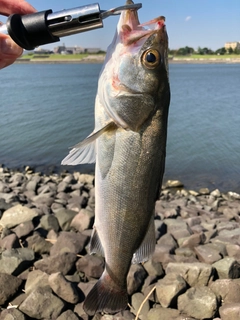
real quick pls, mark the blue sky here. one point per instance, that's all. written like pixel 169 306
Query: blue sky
pixel 194 23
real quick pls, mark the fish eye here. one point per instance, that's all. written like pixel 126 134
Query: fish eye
pixel 151 58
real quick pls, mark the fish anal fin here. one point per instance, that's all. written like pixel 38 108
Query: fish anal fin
pixel 105 297
pixel 84 152
pixel 147 246
pixel 95 244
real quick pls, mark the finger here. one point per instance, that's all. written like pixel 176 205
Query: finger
pixel 15 6
pixel 9 51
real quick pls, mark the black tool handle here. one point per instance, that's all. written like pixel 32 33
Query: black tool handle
pixel 31 30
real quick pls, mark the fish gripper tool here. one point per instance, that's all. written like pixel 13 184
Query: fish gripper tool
pixel 32 30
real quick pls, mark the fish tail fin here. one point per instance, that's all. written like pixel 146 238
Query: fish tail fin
pixel 105 297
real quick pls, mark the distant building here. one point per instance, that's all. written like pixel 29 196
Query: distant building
pixel 42 51
pixel 233 45
pixel 75 50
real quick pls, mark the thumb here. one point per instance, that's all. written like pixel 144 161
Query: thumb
pixel 9 51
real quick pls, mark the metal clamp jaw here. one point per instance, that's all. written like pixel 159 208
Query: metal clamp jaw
pixel 32 30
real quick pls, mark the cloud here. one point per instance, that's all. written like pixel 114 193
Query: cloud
pixel 188 18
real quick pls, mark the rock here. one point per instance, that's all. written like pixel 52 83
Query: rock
pixel 65 217
pixel 16 261
pixel 91 265
pixel 135 278
pixel 39 244
pixel 173 184
pixel 23 229
pixel 162 314
pixel 230 311
pixel 227 268
pixel 233 250
pixel 227 290
pixel 63 288
pixel 49 222
pixel 36 279
pixel 137 300
pixel 9 286
pixel 199 303
pixel 167 240
pixel 17 215
pixel 59 263
pixel 9 242
pixel 83 220
pixel 194 274
pixel 12 314
pixel 153 268
pixel 124 315
pixel 193 241
pixel 207 254
pixel 68 315
pixel 86 287
pixel 69 242
pixel 204 191
pixel 169 288
pixel 42 304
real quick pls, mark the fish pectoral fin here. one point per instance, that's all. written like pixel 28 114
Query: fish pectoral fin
pixel 95 244
pixel 84 152
pixel 147 246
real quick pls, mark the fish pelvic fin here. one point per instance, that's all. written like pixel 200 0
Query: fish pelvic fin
pixel 84 152
pixel 105 297
pixel 95 244
pixel 147 246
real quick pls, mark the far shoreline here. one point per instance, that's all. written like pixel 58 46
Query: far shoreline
pixel 100 60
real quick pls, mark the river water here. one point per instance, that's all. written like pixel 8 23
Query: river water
pixel 46 108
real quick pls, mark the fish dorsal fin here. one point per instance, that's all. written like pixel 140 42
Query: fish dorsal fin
pixel 147 246
pixel 95 244
pixel 84 152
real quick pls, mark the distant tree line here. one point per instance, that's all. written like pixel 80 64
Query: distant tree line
pixel 187 51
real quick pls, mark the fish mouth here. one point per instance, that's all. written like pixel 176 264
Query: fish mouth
pixel 131 31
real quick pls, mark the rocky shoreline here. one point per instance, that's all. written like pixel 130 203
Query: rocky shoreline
pixel 46 271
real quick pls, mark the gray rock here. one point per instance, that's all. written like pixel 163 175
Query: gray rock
pixel 65 217
pixel 86 287
pixel 230 311
pixel 43 198
pixel 42 304
pixel 68 315
pixel 36 279
pixel 63 288
pixel 124 315
pixel 69 242
pixel 193 273
pixel 199 303
pixel 49 222
pixel 39 244
pixel 83 220
pixel 9 242
pixel 193 241
pixel 9 286
pixel 16 261
pixel 59 263
pixel 137 300
pixel 23 229
pixel 17 215
pixel 168 240
pixel 12 314
pixel 233 250
pixel 207 254
pixel 186 252
pixel 227 268
pixel 63 187
pixel 78 309
pixel 162 314
pixel 169 288
pixel 227 290
pixel 173 184
pixel 91 265
pixel 153 268
pixel 135 278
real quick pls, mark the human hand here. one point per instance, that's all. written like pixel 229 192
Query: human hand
pixel 9 50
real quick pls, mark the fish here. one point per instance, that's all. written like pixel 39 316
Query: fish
pixel 128 145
